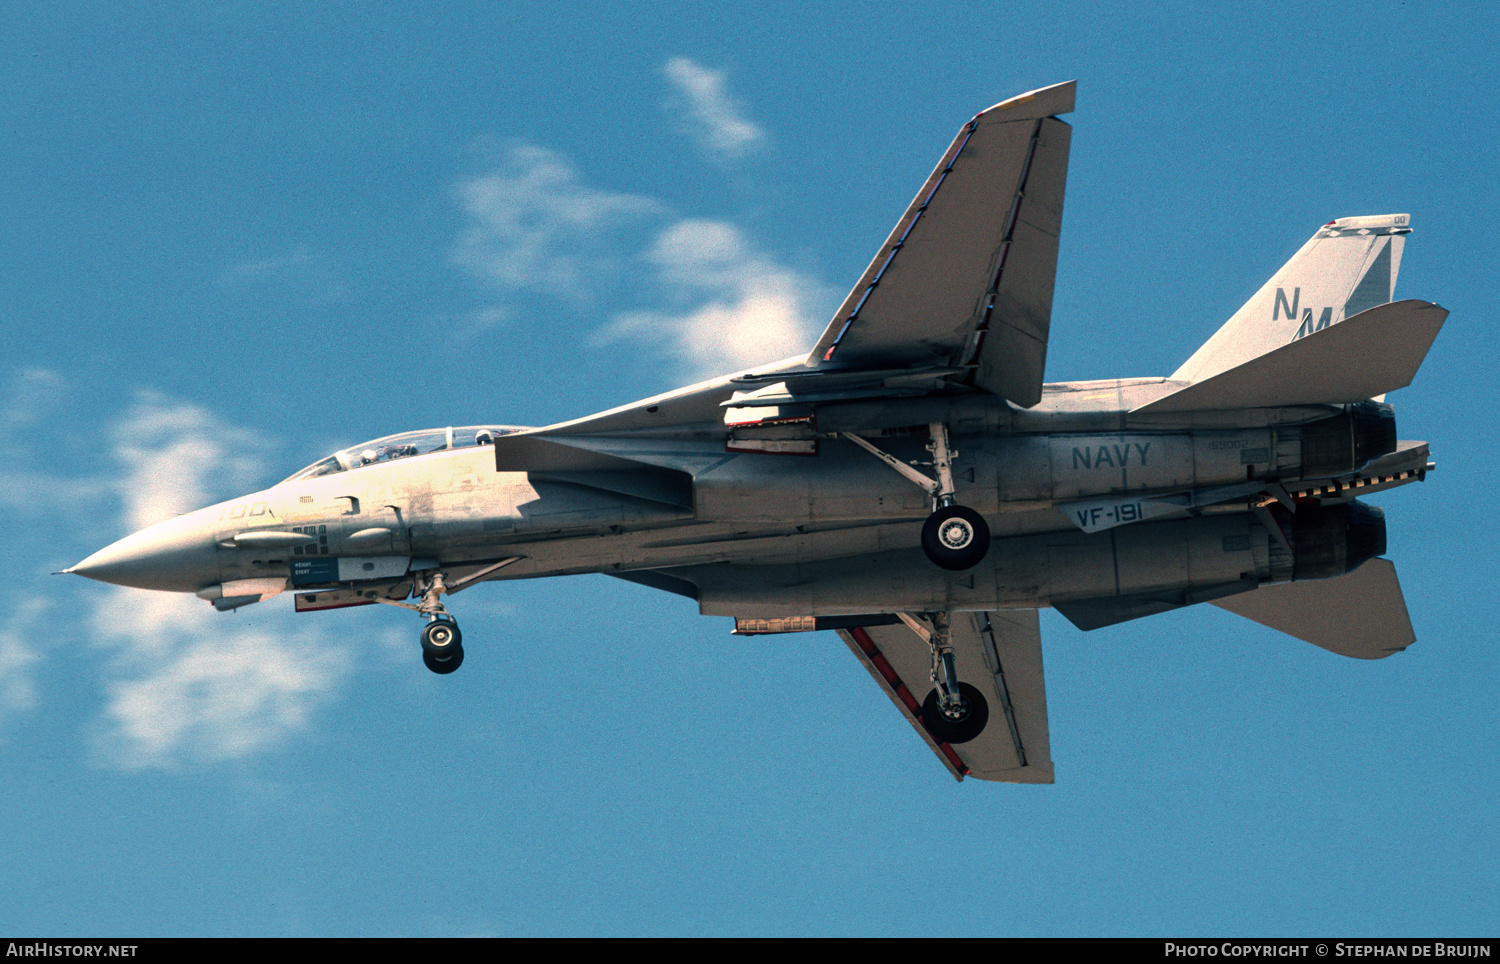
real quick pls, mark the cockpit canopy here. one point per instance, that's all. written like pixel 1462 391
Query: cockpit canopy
pixel 405 445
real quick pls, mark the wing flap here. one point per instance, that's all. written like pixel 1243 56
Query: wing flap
pixel 1013 641
pixel 1012 353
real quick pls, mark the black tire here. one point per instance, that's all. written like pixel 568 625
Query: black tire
pixel 955 537
pixel 962 730
pixel 440 637
pixel 446 664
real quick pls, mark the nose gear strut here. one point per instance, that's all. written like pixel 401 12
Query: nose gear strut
pixel 442 643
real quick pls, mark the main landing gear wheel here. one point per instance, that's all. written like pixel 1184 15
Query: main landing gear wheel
pixel 442 646
pixel 960 726
pixel 955 537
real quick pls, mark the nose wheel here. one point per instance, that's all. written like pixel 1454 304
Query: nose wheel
pixel 442 645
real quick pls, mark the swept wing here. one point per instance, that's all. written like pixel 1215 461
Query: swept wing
pixel 1000 653
pixel 965 278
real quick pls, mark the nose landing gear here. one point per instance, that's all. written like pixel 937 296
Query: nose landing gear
pixel 442 645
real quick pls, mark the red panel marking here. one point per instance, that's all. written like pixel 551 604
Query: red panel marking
pixel 953 758
pixel 868 647
pixel 866 644
pixel 882 664
pixel 887 672
pixel 908 699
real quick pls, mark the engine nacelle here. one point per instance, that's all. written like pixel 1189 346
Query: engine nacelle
pixel 1357 436
pixel 1327 541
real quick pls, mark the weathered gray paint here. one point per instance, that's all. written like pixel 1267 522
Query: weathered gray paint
pixel 949 327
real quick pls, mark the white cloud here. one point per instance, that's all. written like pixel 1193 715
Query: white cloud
pixel 721 303
pixel 18 658
pixel 28 491
pixel 708 113
pixel 300 271
pixel 32 392
pixel 535 225
pixel 192 685
pixel 179 457
pixel 185 683
pixel 746 308
pixel 29 482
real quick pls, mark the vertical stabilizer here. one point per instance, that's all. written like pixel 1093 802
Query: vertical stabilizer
pixel 1348 266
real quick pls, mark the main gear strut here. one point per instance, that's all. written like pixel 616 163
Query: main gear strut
pixel 954 537
pixel 955 711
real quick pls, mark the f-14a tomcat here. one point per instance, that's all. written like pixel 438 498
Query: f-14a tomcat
pixel 911 483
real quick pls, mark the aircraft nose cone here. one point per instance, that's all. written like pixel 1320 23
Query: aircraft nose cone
pixel 177 556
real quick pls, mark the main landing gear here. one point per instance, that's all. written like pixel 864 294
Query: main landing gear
pixel 955 537
pixel 954 712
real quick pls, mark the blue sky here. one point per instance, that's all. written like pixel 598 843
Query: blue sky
pixel 239 236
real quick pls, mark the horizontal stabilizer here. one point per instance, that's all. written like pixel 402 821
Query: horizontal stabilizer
pixel 1089 614
pixel 1361 614
pixel 1377 351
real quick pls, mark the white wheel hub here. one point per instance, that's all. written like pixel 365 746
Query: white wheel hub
pixel 956 534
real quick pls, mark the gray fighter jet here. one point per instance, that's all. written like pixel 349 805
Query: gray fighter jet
pixel 911 483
